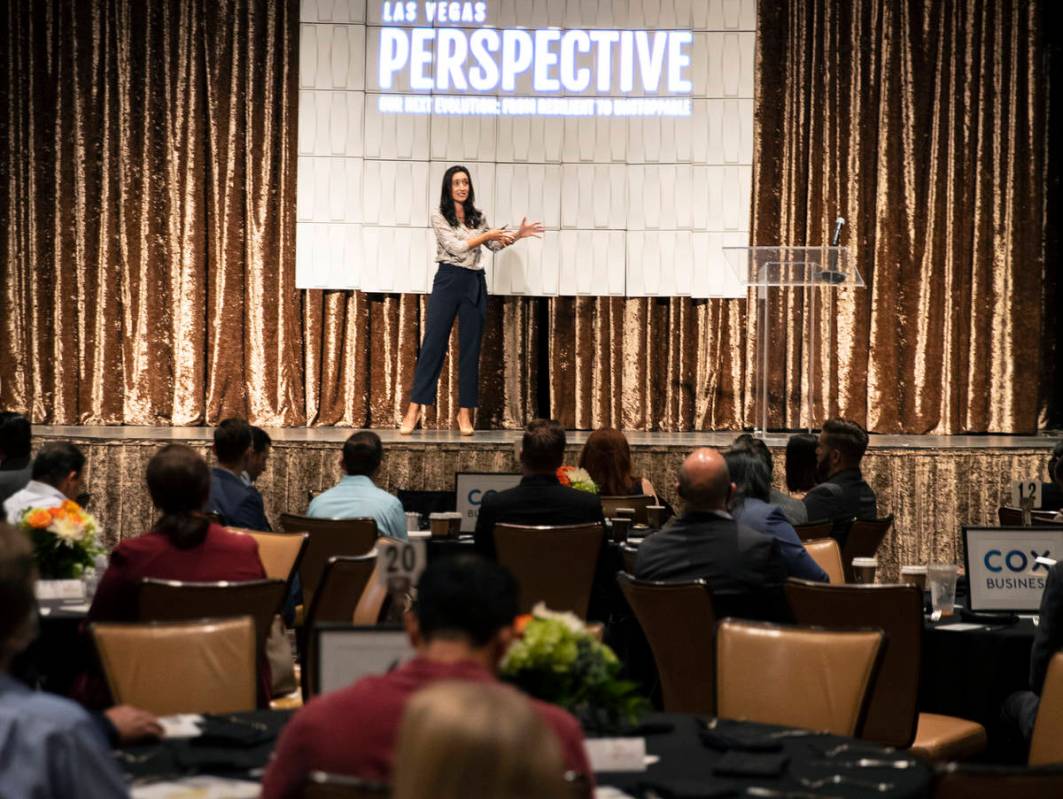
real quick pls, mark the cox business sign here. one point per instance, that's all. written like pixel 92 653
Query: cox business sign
pixel 1002 566
pixel 490 61
pixel 472 487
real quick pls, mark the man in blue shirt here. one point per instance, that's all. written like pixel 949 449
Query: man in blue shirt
pixel 355 496
pixel 51 747
pixel 238 503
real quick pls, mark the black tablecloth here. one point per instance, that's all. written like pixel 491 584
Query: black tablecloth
pixel 59 653
pixel 970 673
pixel 242 743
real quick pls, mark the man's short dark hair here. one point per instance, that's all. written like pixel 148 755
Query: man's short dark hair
pixel 55 461
pixel 465 596
pixel 362 453
pixel 259 439
pixel 232 439
pixel 543 446
pixel 15 434
pixel 750 443
pixel 846 436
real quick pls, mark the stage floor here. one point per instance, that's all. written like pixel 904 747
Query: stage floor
pixel 636 438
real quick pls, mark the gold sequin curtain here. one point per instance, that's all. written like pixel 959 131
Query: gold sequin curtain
pixel 147 222
pixel 923 124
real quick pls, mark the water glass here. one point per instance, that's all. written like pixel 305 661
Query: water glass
pixel 942 580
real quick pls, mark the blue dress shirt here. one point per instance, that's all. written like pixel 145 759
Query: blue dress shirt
pixel 769 520
pixel 51 749
pixel 354 497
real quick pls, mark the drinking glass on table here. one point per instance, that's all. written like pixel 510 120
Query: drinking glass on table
pixel 942 580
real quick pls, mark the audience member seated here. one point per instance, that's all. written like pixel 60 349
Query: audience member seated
pixel 841 494
pixel 751 508
pixel 183 544
pixel 606 457
pixel 1020 709
pixel 801 463
pixel 355 495
pixel 1051 492
pixel 460 740
pixel 258 457
pixel 16 467
pixel 743 568
pixel 51 747
pixel 792 508
pixel 237 502
pixel 460 627
pixel 540 498
pixel 56 477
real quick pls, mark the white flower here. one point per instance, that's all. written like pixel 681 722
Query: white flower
pixel 67 530
pixel 570 620
pixel 580 476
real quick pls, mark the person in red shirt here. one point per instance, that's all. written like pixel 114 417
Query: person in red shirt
pixel 460 627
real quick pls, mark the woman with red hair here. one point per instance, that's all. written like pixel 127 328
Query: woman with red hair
pixel 607 459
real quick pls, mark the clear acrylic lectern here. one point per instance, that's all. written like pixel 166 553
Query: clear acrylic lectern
pixel 806 268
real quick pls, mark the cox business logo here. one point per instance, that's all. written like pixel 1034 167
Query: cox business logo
pixel 1014 560
pixel 476 496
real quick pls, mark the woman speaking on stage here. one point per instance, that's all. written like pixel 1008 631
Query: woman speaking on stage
pixel 459 289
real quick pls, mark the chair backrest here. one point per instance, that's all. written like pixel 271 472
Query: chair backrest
pixel 329 538
pixel 795 676
pixel 826 553
pixel 678 621
pixel 1046 743
pixel 341 588
pixel 320 785
pixel 280 553
pixel 1009 517
pixel 171 600
pixel 865 537
pixel 814 530
pixel 639 502
pixel 892 711
pixel 206 666
pixel 554 565
pixel 629 553
pixel 966 781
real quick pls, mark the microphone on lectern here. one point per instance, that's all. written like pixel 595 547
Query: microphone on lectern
pixel 839 223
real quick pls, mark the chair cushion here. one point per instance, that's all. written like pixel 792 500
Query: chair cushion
pixel 941 738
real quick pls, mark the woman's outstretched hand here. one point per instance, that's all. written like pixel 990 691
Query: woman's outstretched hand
pixel 530 229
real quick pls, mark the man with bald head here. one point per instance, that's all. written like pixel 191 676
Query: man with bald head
pixel 744 569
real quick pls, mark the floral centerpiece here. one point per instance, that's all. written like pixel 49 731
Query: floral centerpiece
pixel 558 660
pixel 64 539
pixel 579 479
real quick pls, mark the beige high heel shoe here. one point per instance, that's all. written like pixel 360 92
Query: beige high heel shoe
pixel 405 429
pixel 465 431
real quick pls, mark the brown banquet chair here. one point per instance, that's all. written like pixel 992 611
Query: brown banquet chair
pixel 863 540
pixel 280 553
pixel 554 565
pixel 637 502
pixel 328 538
pixel 893 717
pixel 805 677
pixel 203 666
pixel 810 531
pixel 1046 743
pixel 678 620
pixel 827 555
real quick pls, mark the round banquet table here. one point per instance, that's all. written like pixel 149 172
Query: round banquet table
pixel 238 746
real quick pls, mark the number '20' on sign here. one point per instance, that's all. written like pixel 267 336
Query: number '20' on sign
pixel 400 563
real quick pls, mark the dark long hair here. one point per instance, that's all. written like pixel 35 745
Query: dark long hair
pixel 750 476
pixel 801 462
pixel 179 483
pixel 607 458
pixel 473 218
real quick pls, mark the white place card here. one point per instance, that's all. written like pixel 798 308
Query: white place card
pixel 60 589
pixel 199 788
pixel 181 725
pixel 616 754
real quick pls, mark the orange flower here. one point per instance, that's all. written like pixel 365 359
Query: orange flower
pixel 39 519
pixel 521 622
pixel 562 476
pixel 70 506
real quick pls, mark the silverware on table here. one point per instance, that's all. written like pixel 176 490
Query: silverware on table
pixel 841 779
pixel 866 762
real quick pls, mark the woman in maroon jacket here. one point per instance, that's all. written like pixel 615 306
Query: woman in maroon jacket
pixel 182 545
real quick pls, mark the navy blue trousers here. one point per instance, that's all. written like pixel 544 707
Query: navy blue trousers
pixel 459 292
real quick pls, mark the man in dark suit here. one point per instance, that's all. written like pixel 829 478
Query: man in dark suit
pixel 842 495
pixel 540 498
pixel 238 503
pixel 744 569
pixel 1020 709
